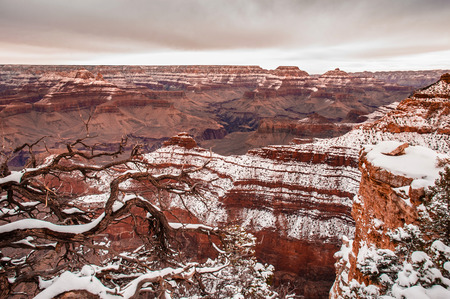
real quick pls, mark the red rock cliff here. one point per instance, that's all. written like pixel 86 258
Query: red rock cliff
pixel 296 197
pixel 390 196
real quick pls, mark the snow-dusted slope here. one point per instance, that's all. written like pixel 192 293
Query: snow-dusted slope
pixel 257 188
pixel 388 255
pixel 296 199
pixel 422 119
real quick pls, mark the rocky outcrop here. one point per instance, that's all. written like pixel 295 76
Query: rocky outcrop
pixel 310 153
pixel 289 71
pixel 427 111
pixel 13 109
pixel 355 116
pixel 446 78
pixel 390 195
pixel 183 140
pixel 423 120
pixel 335 73
pixel 84 74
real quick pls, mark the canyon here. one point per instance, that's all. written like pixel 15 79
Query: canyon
pixel 296 197
pixel 412 145
pixel 301 195
pixel 230 109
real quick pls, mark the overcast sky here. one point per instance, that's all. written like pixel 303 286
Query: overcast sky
pixel 316 36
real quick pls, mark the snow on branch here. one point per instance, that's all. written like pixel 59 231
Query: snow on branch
pixel 85 280
pixel 115 248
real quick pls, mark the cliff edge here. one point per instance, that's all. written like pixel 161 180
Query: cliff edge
pixel 401 244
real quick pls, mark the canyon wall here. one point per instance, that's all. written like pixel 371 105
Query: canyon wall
pixel 149 104
pixel 406 78
pixel 392 241
pixel 296 199
pixel 391 253
pixel 298 196
pixel 421 119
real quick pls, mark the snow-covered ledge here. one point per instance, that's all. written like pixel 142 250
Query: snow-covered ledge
pixel 394 253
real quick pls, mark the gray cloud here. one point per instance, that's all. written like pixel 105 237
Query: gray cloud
pixel 377 27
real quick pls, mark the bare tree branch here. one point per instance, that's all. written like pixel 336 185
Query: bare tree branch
pixel 40 215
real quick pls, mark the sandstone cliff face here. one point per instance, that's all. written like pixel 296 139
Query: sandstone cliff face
pixel 297 197
pixel 313 126
pixel 390 200
pixel 84 90
pixel 427 111
pixel 289 71
pixel 64 102
pixel 391 194
pixel 332 95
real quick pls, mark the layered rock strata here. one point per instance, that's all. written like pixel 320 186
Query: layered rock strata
pixel 73 104
pixel 314 125
pixel 299 196
pixel 387 211
pixel 415 79
pixel 391 193
pixel 421 119
pixel 296 197
pixel 209 102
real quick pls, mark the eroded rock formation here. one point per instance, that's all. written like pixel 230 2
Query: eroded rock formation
pixel 313 126
pixel 152 103
pixel 406 78
pixel 297 197
pixel 390 202
pixel 391 196
pixel 421 119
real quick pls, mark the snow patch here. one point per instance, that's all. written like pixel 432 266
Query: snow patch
pixel 418 162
